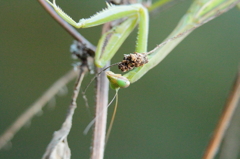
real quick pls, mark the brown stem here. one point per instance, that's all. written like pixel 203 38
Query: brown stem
pixel 224 121
pixel 36 107
pixel 101 120
pixel 58 147
pixel 76 35
pixel 99 135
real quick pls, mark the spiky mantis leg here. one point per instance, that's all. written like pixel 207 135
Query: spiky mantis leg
pixel 135 13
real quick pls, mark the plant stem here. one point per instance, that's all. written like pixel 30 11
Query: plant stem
pixel 101 120
pixel 225 120
pixel 99 135
pixel 36 107
pixel 76 35
pixel 58 147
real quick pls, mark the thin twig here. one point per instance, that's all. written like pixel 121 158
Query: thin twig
pixel 93 121
pixel 230 145
pixel 76 35
pixel 113 117
pixel 101 120
pixel 224 121
pixel 99 135
pixel 97 74
pixel 36 107
pixel 58 147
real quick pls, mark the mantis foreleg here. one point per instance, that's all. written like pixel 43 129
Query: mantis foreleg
pixel 112 40
pixel 197 15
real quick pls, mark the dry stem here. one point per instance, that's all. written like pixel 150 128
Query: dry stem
pixel 224 121
pixel 36 107
pixel 76 35
pixel 99 135
pixel 58 147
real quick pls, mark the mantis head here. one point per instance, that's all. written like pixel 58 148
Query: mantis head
pixel 117 80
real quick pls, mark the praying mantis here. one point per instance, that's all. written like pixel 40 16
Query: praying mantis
pixel 200 12
pixel 136 14
pixel 159 31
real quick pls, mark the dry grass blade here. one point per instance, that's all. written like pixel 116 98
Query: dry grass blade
pixel 58 147
pixel 224 121
pixel 231 142
pixel 76 35
pixel 36 107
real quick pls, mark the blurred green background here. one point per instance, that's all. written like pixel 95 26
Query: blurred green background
pixel 170 113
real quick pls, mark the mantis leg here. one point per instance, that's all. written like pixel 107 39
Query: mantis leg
pixel 116 36
pixel 111 13
pixel 197 15
pixel 142 39
pixel 110 42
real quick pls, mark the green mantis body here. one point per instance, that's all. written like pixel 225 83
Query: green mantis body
pixel 136 14
pixel 200 12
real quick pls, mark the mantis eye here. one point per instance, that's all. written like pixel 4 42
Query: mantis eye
pixel 117 80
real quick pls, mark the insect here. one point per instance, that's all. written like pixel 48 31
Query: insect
pixel 130 16
pixel 136 14
pixel 199 13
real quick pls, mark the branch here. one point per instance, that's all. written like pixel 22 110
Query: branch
pixel 99 135
pixel 224 121
pixel 58 147
pixel 76 35
pixel 36 107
